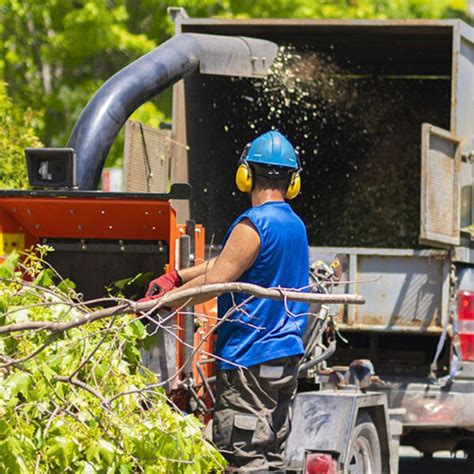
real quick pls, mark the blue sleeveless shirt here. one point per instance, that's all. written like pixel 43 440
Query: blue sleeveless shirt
pixel 265 329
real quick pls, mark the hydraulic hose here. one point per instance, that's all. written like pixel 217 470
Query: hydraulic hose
pixel 322 357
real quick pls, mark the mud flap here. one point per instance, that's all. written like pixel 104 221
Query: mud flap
pixel 323 423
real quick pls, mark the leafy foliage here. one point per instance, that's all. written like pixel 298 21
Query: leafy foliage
pixel 56 54
pixel 16 133
pixel 349 8
pixel 57 406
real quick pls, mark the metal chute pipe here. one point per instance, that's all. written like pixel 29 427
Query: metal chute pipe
pixel 185 262
pixel 145 78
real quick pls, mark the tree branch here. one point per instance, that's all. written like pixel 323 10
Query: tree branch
pixel 84 386
pixel 179 297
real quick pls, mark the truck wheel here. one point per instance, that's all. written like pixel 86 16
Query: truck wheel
pixel 364 449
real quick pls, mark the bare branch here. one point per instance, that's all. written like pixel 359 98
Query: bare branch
pixel 17 362
pixel 84 386
pixel 179 297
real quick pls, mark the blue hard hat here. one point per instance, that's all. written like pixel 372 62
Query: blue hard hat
pixel 272 149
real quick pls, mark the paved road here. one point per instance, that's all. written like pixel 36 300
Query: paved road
pixel 437 466
pixel 410 463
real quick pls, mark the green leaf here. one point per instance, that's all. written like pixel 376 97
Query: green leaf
pixel 10 264
pixel 106 450
pixel 4 428
pixel 44 278
pixel 92 451
pixel 66 286
pixel 138 329
pixel 61 449
pixel 19 382
pixel 125 469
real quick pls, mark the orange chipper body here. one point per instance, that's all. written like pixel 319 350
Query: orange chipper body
pixel 101 237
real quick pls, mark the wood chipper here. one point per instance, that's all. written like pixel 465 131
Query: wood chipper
pixel 99 238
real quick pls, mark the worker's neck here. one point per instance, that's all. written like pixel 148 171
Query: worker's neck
pixel 261 196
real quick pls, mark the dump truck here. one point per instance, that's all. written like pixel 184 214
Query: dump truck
pixel 382 112
pixel 386 135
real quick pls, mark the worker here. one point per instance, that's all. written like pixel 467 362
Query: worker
pixel 259 345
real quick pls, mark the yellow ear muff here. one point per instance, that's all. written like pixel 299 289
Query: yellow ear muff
pixel 243 178
pixel 294 187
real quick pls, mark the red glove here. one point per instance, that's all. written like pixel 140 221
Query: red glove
pixel 145 298
pixel 161 285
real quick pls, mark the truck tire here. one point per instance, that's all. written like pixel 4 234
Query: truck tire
pixel 365 456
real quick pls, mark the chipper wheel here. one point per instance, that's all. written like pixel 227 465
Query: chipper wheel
pixel 364 449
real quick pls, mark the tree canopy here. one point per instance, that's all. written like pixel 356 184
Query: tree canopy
pixel 54 54
pixel 16 133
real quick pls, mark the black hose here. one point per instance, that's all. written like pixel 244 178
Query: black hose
pixel 322 357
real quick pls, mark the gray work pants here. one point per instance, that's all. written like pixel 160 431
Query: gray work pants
pixel 251 419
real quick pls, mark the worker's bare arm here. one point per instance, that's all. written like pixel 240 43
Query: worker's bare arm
pixel 237 256
pixel 188 274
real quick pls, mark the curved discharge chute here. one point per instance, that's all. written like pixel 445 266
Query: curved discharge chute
pixel 106 113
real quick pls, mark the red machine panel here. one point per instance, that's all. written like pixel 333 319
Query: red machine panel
pixel 73 218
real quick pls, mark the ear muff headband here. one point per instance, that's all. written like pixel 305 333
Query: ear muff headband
pixel 244 177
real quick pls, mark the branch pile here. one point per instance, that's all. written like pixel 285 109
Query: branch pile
pixel 74 395
pixel 79 399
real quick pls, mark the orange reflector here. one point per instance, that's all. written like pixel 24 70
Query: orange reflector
pixel 320 463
